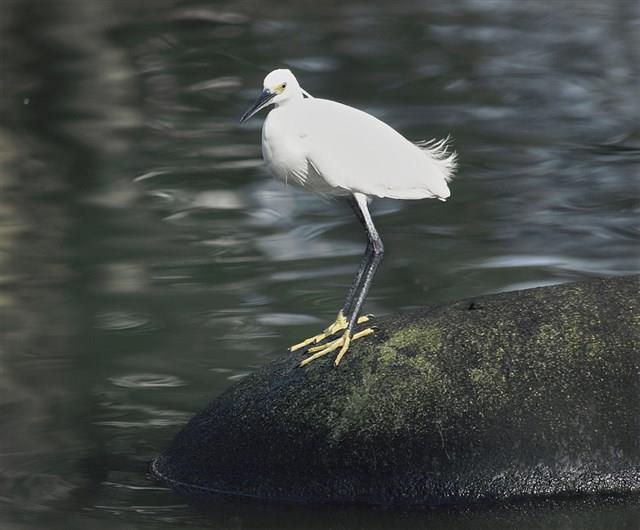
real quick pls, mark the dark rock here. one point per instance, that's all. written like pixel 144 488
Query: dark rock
pixel 520 394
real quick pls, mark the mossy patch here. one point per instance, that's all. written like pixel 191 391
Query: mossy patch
pixel 416 338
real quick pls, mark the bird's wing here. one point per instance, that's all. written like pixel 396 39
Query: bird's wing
pixel 356 152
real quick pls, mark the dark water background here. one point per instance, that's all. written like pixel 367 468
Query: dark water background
pixel 147 261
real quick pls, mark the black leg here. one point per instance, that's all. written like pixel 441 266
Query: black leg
pixel 348 316
pixel 355 285
pixel 370 262
pixel 366 257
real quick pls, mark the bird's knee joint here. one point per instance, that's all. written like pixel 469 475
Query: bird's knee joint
pixel 378 248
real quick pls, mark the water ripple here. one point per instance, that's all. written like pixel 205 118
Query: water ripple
pixel 147 381
pixel 123 321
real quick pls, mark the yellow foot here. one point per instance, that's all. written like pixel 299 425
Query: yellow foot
pixel 339 324
pixel 342 342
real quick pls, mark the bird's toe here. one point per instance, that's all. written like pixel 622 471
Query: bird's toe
pixel 343 343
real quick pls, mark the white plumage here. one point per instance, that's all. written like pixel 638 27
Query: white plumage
pixel 334 149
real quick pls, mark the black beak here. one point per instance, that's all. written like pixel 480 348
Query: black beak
pixel 263 100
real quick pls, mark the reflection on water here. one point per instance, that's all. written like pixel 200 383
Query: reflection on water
pixel 147 262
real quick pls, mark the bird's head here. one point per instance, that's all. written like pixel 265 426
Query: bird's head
pixel 278 87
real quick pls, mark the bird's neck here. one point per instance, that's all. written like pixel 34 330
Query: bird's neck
pixel 294 96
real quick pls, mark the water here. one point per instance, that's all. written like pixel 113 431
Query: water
pixel 147 262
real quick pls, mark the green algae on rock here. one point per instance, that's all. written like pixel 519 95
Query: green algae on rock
pixel 522 394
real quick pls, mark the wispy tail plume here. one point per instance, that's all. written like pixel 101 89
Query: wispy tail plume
pixel 440 151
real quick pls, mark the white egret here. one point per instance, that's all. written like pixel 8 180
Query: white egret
pixel 336 150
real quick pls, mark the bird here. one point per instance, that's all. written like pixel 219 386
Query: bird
pixel 338 151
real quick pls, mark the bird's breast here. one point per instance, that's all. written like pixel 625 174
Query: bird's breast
pixel 283 151
pixel 286 151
